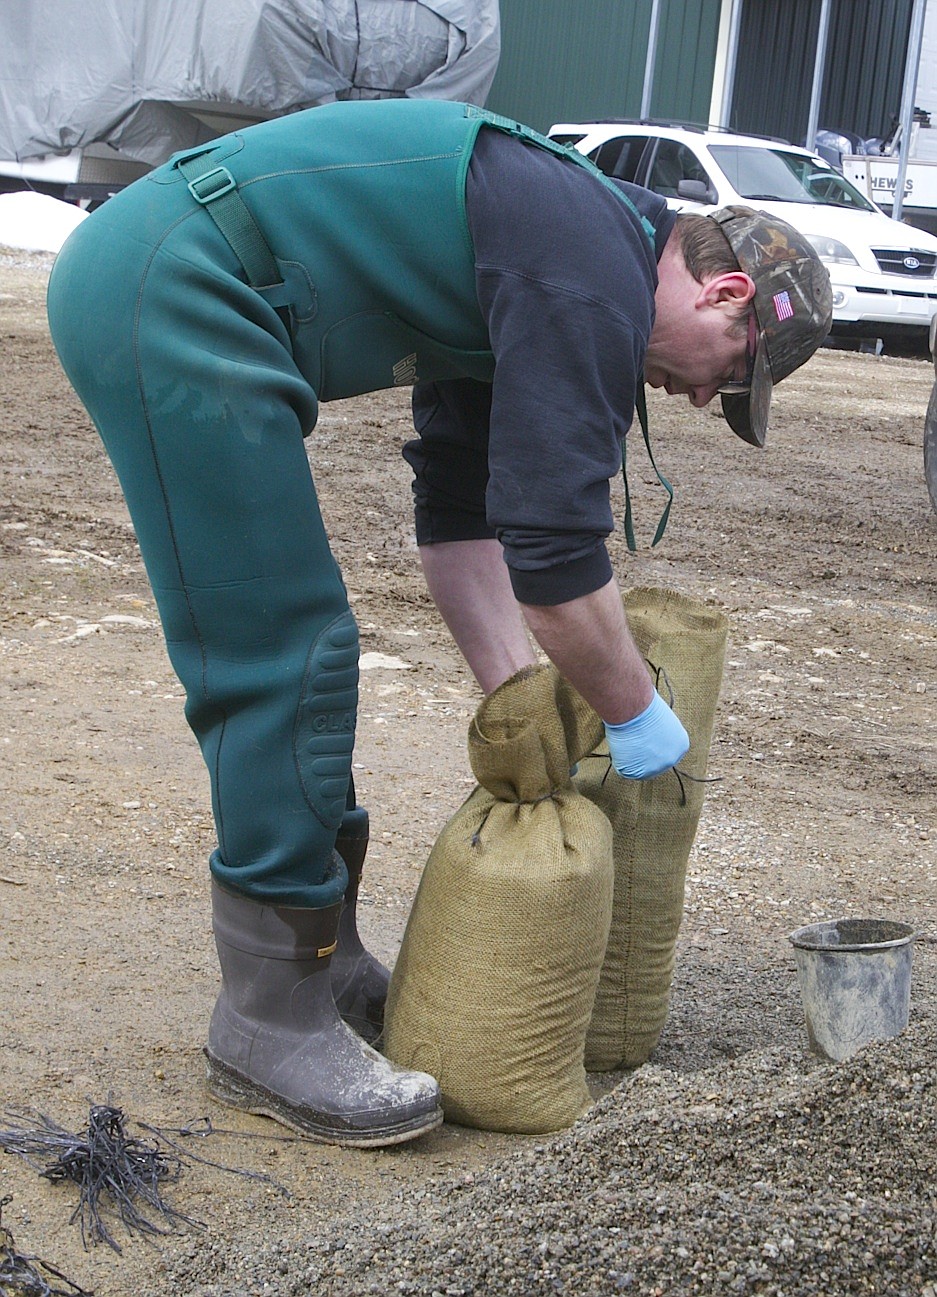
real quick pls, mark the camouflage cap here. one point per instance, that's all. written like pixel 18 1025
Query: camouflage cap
pixel 793 307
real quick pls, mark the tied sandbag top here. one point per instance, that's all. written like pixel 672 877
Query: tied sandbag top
pixel 528 733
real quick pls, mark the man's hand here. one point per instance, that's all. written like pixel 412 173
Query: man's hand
pixel 649 743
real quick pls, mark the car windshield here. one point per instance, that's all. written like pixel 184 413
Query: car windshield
pixel 775 175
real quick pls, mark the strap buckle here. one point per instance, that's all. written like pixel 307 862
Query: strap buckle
pixel 213 184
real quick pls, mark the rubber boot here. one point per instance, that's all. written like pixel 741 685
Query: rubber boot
pixel 277 1045
pixel 359 981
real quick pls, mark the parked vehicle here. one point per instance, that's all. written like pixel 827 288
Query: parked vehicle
pixel 83 176
pixel 93 96
pixel 882 271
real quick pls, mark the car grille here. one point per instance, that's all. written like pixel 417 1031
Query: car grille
pixel 894 261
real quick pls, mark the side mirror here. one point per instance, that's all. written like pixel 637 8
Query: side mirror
pixel 696 191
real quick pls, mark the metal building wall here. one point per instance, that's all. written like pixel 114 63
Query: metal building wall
pixel 686 53
pixel 565 60
pixel 575 60
pixel 864 66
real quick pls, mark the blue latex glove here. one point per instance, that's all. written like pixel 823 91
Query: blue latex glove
pixel 648 744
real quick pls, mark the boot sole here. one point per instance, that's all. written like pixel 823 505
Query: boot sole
pixel 240 1092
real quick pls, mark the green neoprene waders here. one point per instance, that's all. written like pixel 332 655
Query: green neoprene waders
pixel 203 397
pixel 201 315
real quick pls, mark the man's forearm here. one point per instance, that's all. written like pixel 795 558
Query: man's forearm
pixel 589 642
pixel 471 587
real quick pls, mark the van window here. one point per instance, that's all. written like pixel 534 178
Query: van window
pixel 620 157
pixel 776 175
pixel 672 163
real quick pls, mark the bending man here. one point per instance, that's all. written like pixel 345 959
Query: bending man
pixel 204 312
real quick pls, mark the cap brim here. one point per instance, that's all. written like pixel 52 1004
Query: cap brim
pixel 747 412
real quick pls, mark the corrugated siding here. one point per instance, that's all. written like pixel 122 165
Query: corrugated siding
pixel 686 53
pixel 565 60
pixel 774 71
pixel 865 56
pixel 865 65
pixel 573 60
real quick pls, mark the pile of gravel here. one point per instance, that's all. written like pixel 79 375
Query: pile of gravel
pixel 767 1174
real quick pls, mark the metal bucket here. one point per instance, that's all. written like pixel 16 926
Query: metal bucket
pixel 855 982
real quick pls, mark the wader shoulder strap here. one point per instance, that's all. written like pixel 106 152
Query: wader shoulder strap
pixel 641 407
pixel 214 188
pixel 566 151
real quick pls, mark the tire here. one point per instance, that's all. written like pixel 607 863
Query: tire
pixel 930 447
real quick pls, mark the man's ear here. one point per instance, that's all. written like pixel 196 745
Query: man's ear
pixel 733 288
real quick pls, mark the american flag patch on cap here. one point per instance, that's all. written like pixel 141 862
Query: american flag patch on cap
pixel 782 305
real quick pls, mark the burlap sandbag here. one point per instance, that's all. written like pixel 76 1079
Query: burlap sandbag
pixel 494 984
pixel 654 823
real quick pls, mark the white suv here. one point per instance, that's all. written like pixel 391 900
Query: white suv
pixel 883 271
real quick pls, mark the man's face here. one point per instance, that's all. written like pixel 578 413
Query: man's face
pixel 697 346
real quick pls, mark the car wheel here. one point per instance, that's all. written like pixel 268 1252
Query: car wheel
pixel 930 447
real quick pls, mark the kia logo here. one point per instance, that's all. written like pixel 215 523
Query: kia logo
pixel 911 263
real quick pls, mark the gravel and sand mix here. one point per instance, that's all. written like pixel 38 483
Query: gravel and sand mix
pixel 773 1175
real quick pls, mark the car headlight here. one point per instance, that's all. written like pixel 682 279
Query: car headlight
pixel 831 250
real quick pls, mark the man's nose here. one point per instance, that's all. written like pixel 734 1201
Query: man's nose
pixel 700 395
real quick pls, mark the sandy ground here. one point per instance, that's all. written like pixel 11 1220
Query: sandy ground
pixel 821 550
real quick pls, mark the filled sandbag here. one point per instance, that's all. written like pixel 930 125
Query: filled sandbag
pixel 493 988
pixel 654 823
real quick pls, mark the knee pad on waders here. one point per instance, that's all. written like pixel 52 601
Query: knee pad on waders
pixel 324 734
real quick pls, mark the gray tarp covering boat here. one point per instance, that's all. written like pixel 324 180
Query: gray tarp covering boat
pixel 148 77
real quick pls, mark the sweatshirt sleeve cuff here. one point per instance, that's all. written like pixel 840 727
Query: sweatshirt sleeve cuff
pixel 553 585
